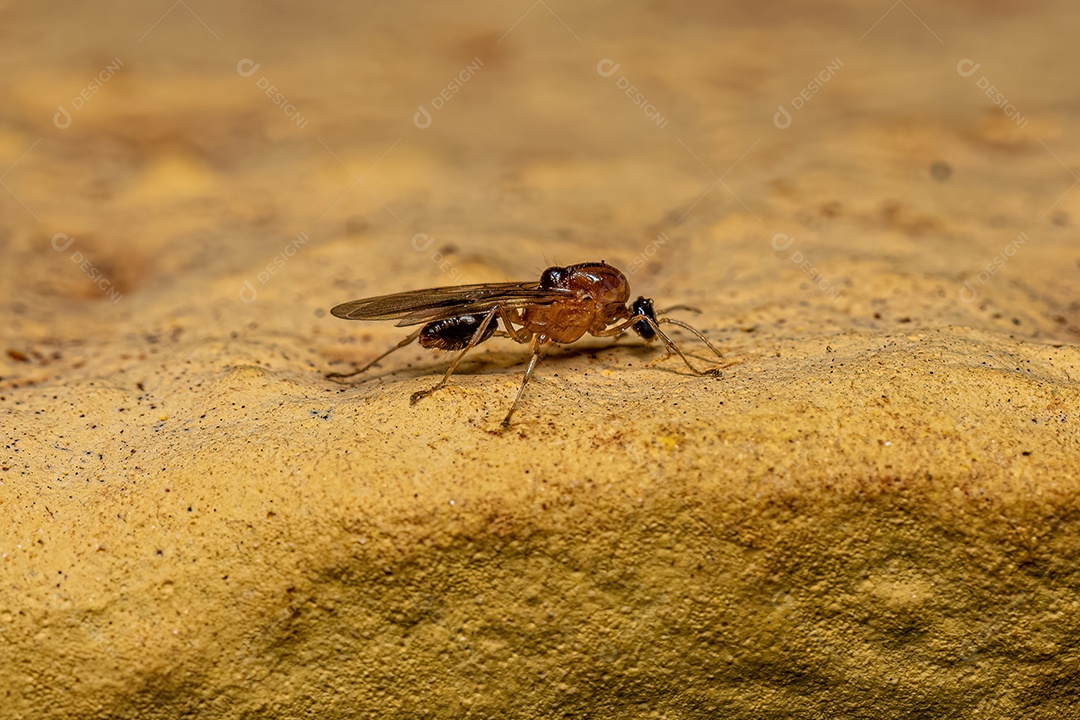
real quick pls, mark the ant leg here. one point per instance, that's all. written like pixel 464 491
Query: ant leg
pixel 522 336
pixel 620 328
pixel 673 348
pixel 403 343
pixel 473 342
pixel 696 332
pixel 538 351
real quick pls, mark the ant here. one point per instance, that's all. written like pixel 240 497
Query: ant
pixel 563 306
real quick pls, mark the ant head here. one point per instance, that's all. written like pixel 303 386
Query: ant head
pixel 554 277
pixel 643 306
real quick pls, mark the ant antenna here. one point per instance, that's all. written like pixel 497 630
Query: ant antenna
pixel 672 348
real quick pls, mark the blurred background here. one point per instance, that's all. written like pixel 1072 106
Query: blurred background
pixel 260 162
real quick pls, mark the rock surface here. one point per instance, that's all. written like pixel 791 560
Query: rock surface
pixel 872 513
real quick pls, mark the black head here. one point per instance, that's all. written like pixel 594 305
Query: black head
pixel 643 306
pixel 554 277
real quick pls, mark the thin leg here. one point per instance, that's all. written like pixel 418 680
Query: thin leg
pixel 620 328
pixel 538 351
pixel 669 346
pixel 673 348
pixel 473 342
pixel 522 336
pixel 412 337
pixel 697 333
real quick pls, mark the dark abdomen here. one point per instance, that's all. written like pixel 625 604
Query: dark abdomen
pixel 455 333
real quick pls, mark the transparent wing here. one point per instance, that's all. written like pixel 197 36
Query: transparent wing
pixel 423 306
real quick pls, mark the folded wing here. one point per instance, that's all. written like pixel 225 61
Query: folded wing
pixel 423 306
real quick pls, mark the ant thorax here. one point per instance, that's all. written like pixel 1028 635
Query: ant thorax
pixel 597 296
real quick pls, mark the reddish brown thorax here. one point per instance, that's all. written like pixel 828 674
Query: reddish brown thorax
pixel 600 293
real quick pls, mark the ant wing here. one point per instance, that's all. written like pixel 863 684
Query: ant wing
pixel 423 306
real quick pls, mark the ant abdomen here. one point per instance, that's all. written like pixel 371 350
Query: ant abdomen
pixel 455 333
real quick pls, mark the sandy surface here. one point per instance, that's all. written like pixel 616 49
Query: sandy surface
pixel 872 513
